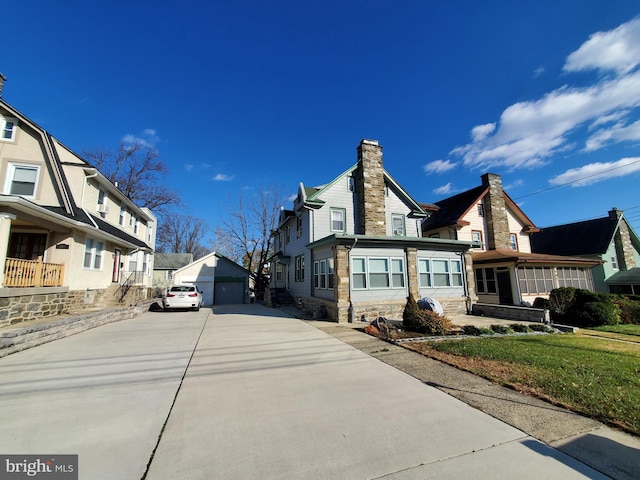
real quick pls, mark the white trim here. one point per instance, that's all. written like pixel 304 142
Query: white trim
pixel 11 172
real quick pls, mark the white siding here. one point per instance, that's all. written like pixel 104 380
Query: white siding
pixel 336 195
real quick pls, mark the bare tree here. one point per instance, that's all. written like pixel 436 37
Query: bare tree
pixel 182 234
pixel 244 234
pixel 138 172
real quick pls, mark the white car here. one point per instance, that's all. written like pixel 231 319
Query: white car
pixel 182 296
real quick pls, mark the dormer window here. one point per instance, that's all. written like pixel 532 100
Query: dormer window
pixel 9 127
pixel 22 180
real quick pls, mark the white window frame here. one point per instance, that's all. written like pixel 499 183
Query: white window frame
pixel 11 172
pixel 476 236
pixel 400 230
pixel 93 252
pixel 103 198
pixel 428 276
pixel 4 121
pixel 136 225
pixel 392 280
pixel 123 215
pixel 513 241
pixel 343 213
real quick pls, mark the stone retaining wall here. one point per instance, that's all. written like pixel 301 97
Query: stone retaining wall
pixel 18 305
pixel 21 338
pixel 510 312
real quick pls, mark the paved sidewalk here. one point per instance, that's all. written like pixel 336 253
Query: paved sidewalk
pixel 103 394
pixel 270 396
pixel 250 392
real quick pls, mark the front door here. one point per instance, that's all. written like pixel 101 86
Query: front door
pixel 504 287
pixel 115 276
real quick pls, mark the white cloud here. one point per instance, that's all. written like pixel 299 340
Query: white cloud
pixel 614 134
pixel 221 177
pixel 444 189
pixel 597 172
pixel 189 166
pixel 617 50
pixel 529 133
pixel 538 71
pixel 440 166
pixel 515 184
pixel 482 131
pixel 148 138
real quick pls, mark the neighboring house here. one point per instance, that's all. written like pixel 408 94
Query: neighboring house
pixel 165 265
pixel 506 271
pixel 220 280
pixel 610 240
pixel 68 237
pixel 354 248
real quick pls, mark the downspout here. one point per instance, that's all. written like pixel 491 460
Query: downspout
pixel 465 285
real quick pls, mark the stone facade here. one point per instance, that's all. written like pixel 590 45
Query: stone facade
pixel 495 211
pixel 18 305
pixel 370 190
pixel 622 239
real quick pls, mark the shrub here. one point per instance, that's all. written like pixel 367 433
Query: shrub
pixel 629 308
pixel 502 329
pixel 520 328
pixel 470 330
pixel 541 302
pixel 591 309
pixel 539 327
pixel 476 331
pixel 560 300
pixel 432 323
pixel 411 313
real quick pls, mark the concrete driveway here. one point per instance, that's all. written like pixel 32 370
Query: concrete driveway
pixel 257 394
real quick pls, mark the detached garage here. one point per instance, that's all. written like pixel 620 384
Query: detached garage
pixel 220 280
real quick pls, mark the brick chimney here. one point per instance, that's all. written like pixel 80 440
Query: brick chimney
pixel 370 193
pixel 622 240
pixel 495 212
pixel 2 80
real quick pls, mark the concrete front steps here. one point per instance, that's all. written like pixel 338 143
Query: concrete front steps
pixel 21 337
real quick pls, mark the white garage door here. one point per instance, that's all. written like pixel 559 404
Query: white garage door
pixel 229 292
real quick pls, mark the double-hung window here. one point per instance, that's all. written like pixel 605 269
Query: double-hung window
pixel 338 220
pixel 299 262
pixel 476 237
pixel 377 273
pixel 22 180
pixel 123 211
pixel 439 272
pixel 323 274
pixel 398 225
pixel 93 254
pixel 9 128
pixel 513 240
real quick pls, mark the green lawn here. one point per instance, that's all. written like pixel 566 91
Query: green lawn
pixel 625 329
pixel 595 376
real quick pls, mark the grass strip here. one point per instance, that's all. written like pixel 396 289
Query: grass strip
pixel 597 377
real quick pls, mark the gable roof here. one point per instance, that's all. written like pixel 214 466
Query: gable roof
pixel 313 195
pixel 171 261
pixel 451 211
pixel 591 237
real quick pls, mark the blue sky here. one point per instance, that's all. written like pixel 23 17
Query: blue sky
pixel 241 95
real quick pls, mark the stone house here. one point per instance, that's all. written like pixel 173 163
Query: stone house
pixel 506 271
pixel 609 239
pixel 354 248
pixel 69 239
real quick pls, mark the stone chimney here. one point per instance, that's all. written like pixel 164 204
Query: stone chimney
pixel 2 80
pixel 622 240
pixel 495 212
pixel 370 192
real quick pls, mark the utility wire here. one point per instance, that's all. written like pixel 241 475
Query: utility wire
pixel 575 181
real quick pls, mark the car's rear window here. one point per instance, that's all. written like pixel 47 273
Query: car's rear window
pixel 183 288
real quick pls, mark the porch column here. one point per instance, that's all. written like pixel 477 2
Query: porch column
pixel 341 290
pixel 5 230
pixel 412 272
